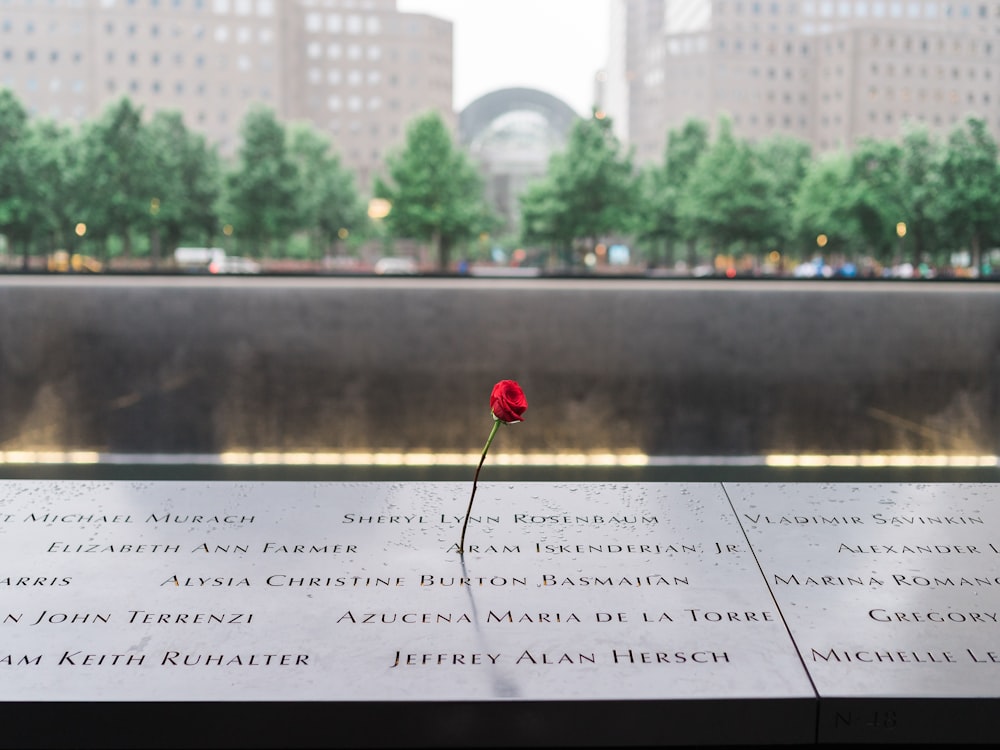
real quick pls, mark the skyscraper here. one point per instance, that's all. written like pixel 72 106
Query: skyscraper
pixel 357 70
pixel 827 71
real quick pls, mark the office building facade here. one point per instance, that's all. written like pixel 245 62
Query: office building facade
pixel 829 72
pixel 357 70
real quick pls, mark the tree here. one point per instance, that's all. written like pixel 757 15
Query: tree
pixel 920 175
pixel 784 161
pixel 729 199
pixel 823 204
pixel 589 190
pixel 15 185
pixel 50 158
pixel 263 188
pixel 435 192
pixel 116 174
pixel 662 187
pixel 184 201
pixel 329 205
pixel 877 194
pixel 969 199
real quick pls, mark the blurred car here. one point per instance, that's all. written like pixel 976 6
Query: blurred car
pixel 395 267
pixel 233 264
pixel 63 262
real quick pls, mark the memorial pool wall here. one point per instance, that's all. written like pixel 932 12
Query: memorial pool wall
pixel 199 365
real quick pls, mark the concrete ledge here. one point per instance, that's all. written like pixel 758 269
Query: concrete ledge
pixel 206 365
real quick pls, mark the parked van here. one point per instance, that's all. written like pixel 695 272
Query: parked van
pixel 199 259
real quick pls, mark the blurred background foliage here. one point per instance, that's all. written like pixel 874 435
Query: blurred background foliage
pixel 127 190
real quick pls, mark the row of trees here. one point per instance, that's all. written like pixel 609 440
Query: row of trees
pixel 921 198
pixel 125 186
pixel 119 182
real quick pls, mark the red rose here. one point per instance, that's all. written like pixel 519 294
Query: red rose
pixel 507 402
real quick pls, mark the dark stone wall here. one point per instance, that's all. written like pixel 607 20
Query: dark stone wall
pixel 681 368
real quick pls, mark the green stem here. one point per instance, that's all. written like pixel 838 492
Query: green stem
pixel 475 479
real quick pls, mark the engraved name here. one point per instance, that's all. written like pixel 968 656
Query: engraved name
pixel 113 548
pixel 175 518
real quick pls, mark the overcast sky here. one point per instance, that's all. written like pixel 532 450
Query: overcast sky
pixel 553 45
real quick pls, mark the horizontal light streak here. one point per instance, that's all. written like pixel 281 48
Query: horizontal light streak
pixel 876 460
pixel 322 458
pixel 389 458
pixel 429 458
pixel 50 457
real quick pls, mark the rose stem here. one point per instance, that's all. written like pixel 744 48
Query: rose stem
pixel 475 479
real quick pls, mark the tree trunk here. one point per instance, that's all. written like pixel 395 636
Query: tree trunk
pixel 692 254
pixel 154 248
pixel 438 250
pixel 668 253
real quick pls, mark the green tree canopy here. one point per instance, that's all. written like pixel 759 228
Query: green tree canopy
pixel 435 191
pixel 116 174
pixel 661 187
pixel 823 205
pixel 729 199
pixel 16 186
pixel 784 161
pixel 969 199
pixel 188 188
pixel 263 187
pixel 329 202
pixel 876 195
pixel 589 192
